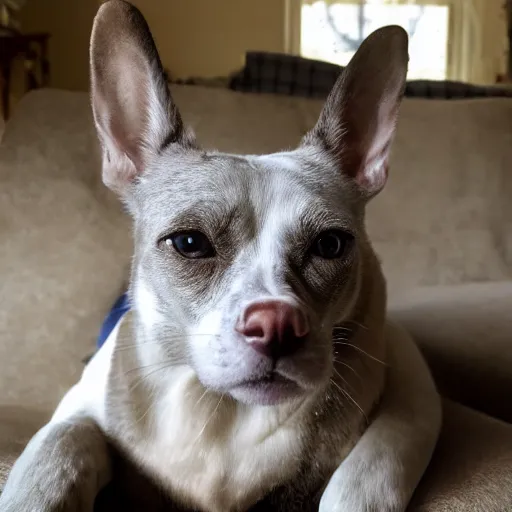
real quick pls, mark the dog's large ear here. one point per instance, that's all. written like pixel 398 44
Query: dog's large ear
pixel 133 110
pixel 358 122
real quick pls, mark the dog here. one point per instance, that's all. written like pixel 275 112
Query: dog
pixel 256 369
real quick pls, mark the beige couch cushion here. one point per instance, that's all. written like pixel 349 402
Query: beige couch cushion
pixel 471 470
pixel 65 248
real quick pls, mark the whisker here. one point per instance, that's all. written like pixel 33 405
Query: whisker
pixel 355 322
pixel 349 367
pixel 133 346
pixel 146 367
pixel 151 404
pixel 201 397
pixel 343 378
pixel 340 335
pixel 146 375
pixel 166 340
pixel 209 419
pixel 347 394
pixel 341 328
pixel 361 351
pixel 340 338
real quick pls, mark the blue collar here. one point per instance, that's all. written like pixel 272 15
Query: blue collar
pixel 120 307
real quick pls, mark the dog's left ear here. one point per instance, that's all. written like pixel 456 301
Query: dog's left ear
pixel 133 110
pixel 357 124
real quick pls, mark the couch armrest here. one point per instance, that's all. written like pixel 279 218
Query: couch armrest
pixel 471 469
pixel 465 332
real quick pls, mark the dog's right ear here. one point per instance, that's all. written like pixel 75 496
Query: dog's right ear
pixel 133 110
pixel 358 122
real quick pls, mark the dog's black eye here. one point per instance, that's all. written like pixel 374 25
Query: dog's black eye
pixel 332 244
pixel 192 244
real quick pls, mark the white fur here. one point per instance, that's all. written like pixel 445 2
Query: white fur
pixel 221 452
pixel 88 395
pixel 146 304
pixel 285 160
pixel 269 260
pixel 210 324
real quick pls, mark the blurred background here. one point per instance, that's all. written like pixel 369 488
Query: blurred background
pixel 45 42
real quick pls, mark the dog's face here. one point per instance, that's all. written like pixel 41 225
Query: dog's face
pixel 266 238
pixel 243 265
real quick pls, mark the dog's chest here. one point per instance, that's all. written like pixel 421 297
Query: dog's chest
pixel 215 455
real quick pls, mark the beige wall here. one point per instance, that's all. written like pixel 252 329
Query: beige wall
pixel 69 23
pixel 206 37
pixel 210 37
pixel 194 37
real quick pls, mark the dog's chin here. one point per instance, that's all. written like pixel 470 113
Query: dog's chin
pixel 261 382
pixel 267 391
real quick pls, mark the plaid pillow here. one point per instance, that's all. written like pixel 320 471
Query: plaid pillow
pixel 285 74
pixel 290 75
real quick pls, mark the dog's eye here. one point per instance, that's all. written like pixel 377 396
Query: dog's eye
pixel 192 244
pixel 331 244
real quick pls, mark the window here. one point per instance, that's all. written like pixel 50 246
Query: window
pixel 332 30
pixel 453 39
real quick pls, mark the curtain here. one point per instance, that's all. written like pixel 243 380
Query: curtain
pixel 484 34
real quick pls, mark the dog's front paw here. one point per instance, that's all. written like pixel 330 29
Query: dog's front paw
pixel 60 470
pixel 352 489
pixel 52 488
pixel 33 500
pixel 356 501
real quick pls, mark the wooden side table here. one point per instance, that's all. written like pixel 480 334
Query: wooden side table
pixel 33 50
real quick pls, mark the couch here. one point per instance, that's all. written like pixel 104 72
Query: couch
pixel 442 228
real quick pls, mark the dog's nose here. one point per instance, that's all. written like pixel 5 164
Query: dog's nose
pixel 273 328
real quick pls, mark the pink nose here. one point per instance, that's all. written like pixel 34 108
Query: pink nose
pixel 273 328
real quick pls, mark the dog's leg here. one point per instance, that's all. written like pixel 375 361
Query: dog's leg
pixel 384 468
pixel 62 469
